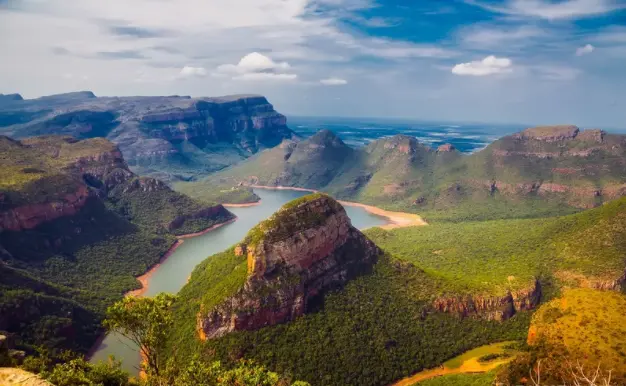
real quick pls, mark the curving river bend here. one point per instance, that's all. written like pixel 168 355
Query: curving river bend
pixel 172 274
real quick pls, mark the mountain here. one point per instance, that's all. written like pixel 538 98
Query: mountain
pixel 293 294
pixel 170 137
pixel 540 171
pixel 76 226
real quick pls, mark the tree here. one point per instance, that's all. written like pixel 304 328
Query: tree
pixel 146 322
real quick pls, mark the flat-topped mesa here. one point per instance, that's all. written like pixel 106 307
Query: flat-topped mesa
pixel 549 133
pixel 248 120
pixel 302 251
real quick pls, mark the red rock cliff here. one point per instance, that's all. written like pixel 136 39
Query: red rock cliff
pixel 296 255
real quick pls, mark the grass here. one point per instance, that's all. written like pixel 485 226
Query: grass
pixel 589 324
pixel 478 353
pixel 208 192
pixel 485 379
pixel 493 257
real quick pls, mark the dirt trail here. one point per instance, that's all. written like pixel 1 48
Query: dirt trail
pixel 469 366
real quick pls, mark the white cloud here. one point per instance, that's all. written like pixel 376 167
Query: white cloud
pixel 256 66
pixel 333 82
pixel 483 36
pixel 192 72
pixel 490 65
pixel 546 9
pixel 586 49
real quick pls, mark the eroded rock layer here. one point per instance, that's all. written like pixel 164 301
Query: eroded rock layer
pixel 304 250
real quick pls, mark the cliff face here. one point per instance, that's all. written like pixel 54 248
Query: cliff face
pixel 297 255
pixel 492 307
pixel 69 171
pixel 173 136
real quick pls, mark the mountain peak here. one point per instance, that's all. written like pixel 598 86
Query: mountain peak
pixel 10 97
pixel 326 137
pixel 305 249
pixel 405 144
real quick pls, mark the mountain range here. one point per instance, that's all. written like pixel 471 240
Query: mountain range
pixel 537 172
pixel 170 137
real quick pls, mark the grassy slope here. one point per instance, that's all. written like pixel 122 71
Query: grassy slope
pixel 495 256
pixel 448 185
pixel 590 324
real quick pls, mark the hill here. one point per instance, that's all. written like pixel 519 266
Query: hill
pixel 304 287
pixel 435 293
pixel 573 336
pixel 170 137
pixel 76 227
pixel 541 171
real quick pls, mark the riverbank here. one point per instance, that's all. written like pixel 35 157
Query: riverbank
pixel 396 219
pixel 145 278
pixel 246 205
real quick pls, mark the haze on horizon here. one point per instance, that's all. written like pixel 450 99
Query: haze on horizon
pixel 527 61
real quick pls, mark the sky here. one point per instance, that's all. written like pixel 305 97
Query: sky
pixel 508 61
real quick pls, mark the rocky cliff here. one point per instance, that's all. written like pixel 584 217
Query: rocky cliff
pixel 301 252
pixel 492 307
pixel 173 137
pixel 65 172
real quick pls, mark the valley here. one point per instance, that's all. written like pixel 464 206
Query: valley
pixel 393 258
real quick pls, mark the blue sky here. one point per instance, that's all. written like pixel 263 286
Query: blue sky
pixel 526 61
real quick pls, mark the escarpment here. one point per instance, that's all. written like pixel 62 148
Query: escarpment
pixel 293 258
pixel 492 307
pixel 50 177
pixel 170 137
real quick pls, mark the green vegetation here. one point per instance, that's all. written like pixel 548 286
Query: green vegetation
pixel 162 210
pixel 495 256
pixel 583 330
pixel 286 221
pixel 485 379
pixel 378 329
pixel 59 277
pixel 209 192
pixel 511 178
pixel 483 353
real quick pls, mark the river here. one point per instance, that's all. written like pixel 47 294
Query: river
pixel 173 273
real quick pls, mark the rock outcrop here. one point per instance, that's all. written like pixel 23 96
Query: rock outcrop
pixel 491 307
pixel 304 250
pixel 446 148
pixel 549 133
pixel 30 216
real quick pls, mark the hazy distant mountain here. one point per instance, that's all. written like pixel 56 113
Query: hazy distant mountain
pixel 170 137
